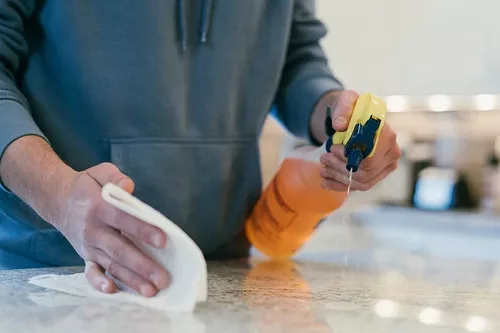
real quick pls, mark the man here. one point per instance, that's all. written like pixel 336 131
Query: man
pixel 165 96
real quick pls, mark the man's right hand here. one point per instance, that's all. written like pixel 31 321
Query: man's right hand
pixel 71 201
pixel 94 228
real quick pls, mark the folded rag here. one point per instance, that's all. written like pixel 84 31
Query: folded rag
pixel 181 258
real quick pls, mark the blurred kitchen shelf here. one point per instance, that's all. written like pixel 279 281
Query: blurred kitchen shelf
pixel 443 103
pixel 428 125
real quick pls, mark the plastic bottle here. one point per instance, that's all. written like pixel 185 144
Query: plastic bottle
pixel 294 202
pixel 292 205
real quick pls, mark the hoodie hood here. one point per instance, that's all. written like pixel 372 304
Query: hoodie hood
pixel 204 23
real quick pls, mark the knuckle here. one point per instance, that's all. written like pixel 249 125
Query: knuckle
pixel 133 281
pixel 144 232
pixel 115 252
pixel 392 137
pixel 338 187
pixel 328 173
pixel 116 218
pixel 130 225
pixel 337 149
pixel 331 162
pixel 339 154
pixel 323 173
pixel 81 177
pixel 114 269
pixel 115 174
pixel 109 167
pixel 368 164
pixel 88 234
pixel 96 208
pixel 362 176
pixel 365 187
pixel 398 153
pixel 144 268
pixel 86 253
pixel 348 97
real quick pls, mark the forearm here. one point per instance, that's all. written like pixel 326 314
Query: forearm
pixel 33 171
pixel 317 121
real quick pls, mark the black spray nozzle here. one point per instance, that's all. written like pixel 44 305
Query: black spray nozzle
pixel 354 159
pixel 361 143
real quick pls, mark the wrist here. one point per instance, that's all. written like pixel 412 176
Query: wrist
pixel 31 170
pixel 56 200
pixel 51 192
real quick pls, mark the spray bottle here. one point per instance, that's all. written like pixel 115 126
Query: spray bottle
pixel 294 202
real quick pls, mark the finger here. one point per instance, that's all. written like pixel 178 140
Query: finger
pixel 126 223
pixel 109 173
pixel 335 161
pixel 333 175
pixel 375 180
pixel 122 251
pixel 338 152
pixel 365 176
pixel 125 275
pixel 343 109
pixel 333 185
pixel 96 277
pixel 386 143
pixel 358 178
pixel 336 170
pixel 330 175
pixel 392 155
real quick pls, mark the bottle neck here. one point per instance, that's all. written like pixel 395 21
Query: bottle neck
pixel 308 153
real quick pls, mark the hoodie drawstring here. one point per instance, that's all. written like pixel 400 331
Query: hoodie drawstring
pixel 206 9
pixel 181 23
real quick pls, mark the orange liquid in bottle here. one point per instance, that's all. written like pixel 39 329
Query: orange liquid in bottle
pixel 290 208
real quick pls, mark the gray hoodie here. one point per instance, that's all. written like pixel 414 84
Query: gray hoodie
pixel 174 92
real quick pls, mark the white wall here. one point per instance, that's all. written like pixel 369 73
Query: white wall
pixel 415 47
pixel 418 47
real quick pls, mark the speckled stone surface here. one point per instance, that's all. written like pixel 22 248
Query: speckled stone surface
pixel 344 281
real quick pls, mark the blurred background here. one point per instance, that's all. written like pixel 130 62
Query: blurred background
pixel 437 63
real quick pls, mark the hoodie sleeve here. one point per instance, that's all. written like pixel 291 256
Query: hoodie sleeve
pixel 15 118
pixel 305 76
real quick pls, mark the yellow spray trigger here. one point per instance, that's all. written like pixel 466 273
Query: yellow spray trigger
pixel 361 137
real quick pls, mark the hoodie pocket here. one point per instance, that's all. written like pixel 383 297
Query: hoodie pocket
pixel 208 188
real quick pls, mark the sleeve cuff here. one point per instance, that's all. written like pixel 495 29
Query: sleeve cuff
pixel 302 98
pixel 16 122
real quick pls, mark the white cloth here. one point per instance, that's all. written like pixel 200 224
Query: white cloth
pixel 181 258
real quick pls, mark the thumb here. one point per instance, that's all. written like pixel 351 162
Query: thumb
pixel 343 110
pixel 109 173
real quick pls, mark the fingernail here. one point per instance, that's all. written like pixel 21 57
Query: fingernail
pixel 340 121
pixel 146 290
pixel 158 281
pixel 104 285
pixel 156 240
pixel 122 182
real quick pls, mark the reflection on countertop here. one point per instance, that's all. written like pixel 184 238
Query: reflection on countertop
pixel 345 280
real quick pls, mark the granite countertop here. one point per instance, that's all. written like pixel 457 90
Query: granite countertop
pixel 343 281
